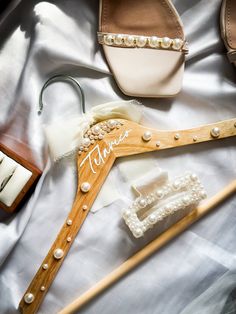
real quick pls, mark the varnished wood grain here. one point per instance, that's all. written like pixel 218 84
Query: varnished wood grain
pixel 77 215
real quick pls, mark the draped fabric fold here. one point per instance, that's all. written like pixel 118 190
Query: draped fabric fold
pixel 65 137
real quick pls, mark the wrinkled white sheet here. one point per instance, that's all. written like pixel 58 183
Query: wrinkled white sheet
pixel 195 273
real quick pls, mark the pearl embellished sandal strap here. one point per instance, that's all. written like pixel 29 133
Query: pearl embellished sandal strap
pixel 85 197
pixel 140 41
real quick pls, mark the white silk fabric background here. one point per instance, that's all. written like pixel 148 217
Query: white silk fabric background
pixel 195 273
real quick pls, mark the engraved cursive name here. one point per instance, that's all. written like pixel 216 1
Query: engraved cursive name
pixel 102 155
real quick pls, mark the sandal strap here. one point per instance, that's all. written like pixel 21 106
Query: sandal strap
pixel 140 41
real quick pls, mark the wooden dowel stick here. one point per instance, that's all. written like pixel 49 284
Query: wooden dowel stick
pixel 151 248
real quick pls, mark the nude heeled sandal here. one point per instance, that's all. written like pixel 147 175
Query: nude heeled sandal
pixel 144 45
pixel 228 28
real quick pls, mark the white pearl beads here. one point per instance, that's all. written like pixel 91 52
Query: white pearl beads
pixel 84 207
pixel 186 200
pixel 152 218
pixel 129 41
pixel 118 39
pixel 180 194
pixel 29 298
pixel 177 44
pixel 193 176
pixel 86 142
pixel 127 213
pixel 85 187
pixel 58 253
pixel 108 40
pixel 141 41
pixel 111 124
pixel 176 184
pixel 154 42
pixel 96 130
pixel 147 135
pixel 69 222
pixel 215 132
pixel 138 232
pixel 203 194
pixel 42 288
pixel 165 42
pixel 142 203
pixel 159 193
pixel 45 266
pixel 177 136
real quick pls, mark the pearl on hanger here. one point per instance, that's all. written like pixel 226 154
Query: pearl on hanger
pixel 85 187
pixel 58 253
pixel 29 298
pixel 177 136
pixel 84 207
pixel 147 135
pixel 69 222
pixel 45 266
pixel 215 132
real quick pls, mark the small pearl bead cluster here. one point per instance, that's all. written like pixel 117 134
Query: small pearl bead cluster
pixel 124 40
pixel 185 192
pixel 97 132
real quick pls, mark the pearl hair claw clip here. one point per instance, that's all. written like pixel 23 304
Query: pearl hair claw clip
pixel 166 202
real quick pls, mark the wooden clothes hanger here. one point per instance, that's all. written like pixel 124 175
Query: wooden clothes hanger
pixel 121 138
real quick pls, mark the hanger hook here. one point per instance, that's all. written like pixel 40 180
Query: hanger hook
pixel 59 78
